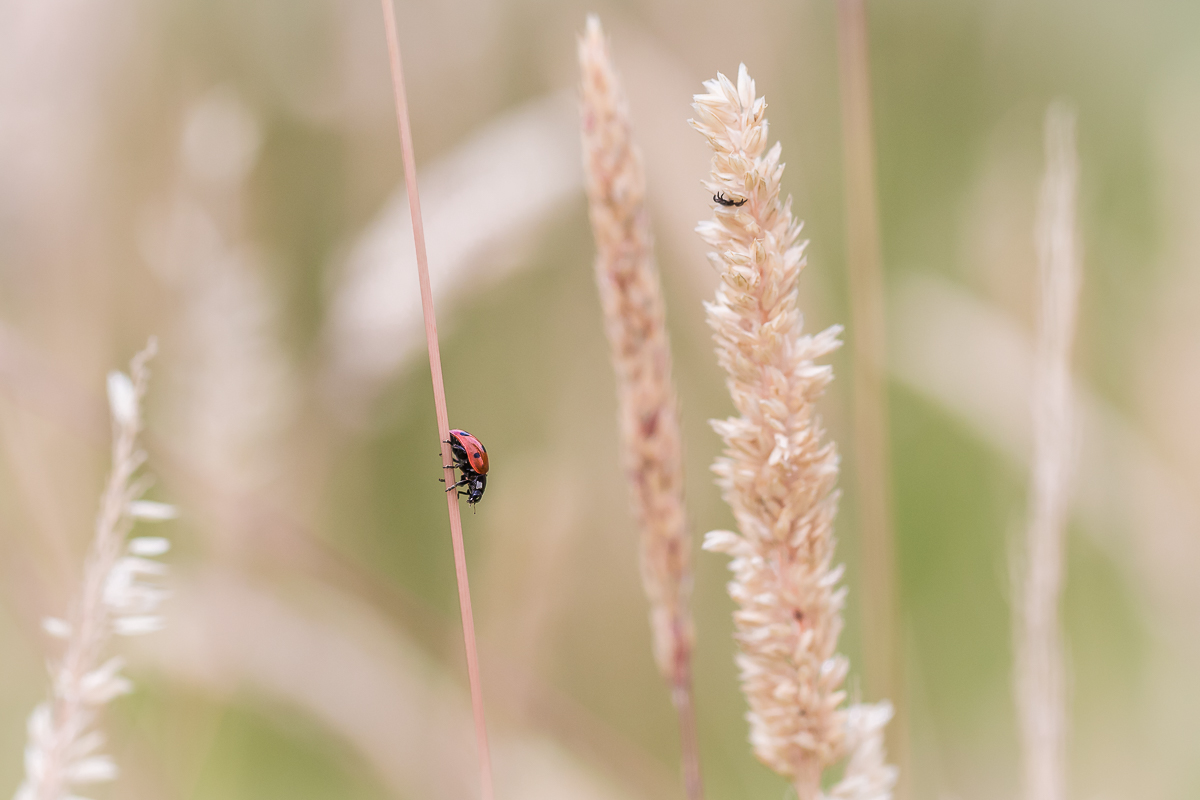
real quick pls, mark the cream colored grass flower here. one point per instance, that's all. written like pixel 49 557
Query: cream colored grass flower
pixel 777 473
pixel 635 321
pixel 116 597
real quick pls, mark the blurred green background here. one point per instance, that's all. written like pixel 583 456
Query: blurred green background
pixel 220 173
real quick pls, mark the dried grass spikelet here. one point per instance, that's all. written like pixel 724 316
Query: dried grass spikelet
pixel 115 598
pixel 777 474
pixel 634 317
pixel 635 323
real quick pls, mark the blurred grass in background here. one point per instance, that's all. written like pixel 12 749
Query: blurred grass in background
pixel 315 484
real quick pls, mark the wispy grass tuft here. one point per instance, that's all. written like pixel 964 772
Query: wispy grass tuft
pixel 777 473
pixel 635 321
pixel 63 746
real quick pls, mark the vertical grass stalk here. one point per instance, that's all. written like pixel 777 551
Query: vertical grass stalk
pixel 635 321
pixel 1040 678
pixel 439 399
pixel 881 659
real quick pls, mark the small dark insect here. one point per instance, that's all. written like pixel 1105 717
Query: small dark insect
pixel 720 197
pixel 470 457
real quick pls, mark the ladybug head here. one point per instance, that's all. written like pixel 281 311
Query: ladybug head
pixel 475 487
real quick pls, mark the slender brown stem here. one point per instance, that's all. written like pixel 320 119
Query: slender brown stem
pixel 807 782
pixel 439 398
pixel 883 667
pixel 689 757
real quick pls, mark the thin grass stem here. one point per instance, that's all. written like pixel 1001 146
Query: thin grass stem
pixel 1041 671
pixel 439 398
pixel 883 666
pixel 867 340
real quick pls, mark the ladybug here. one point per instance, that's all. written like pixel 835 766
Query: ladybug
pixel 470 456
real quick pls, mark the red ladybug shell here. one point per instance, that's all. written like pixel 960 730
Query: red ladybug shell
pixel 476 452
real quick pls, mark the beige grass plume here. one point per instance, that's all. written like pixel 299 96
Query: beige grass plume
pixel 115 598
pixel 1041 700
pixel 634 317
pixel 777 474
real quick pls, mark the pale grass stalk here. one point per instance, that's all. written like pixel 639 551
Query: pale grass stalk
pixel 373 325
pixel 635 321
pixel 882 666
pixel 114 598
pixel 777 474
pixel 236 392
pixel 975 362
pixel 439 399
pixel 1040 673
